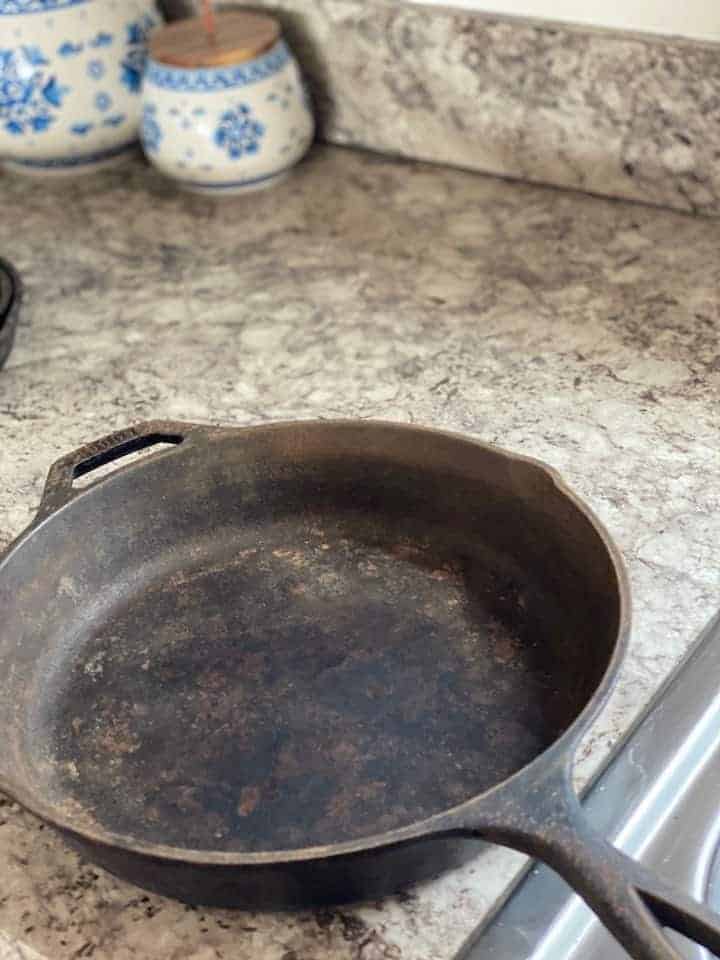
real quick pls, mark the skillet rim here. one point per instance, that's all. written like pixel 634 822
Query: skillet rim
pixel 442 823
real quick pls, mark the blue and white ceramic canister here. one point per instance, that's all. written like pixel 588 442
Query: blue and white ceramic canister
pixel 229 127
pixel 70 81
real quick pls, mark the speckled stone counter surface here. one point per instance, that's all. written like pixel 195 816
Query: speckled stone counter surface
pixel 579 330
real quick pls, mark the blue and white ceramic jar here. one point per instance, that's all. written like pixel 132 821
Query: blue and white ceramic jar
pixel 228 128
pixel 70 81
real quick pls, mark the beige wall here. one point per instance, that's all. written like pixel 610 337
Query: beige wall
pixel 699 19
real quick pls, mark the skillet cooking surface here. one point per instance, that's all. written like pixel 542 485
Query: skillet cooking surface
pixel 311 684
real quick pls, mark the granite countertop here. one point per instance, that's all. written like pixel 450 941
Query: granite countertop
pixel 579 330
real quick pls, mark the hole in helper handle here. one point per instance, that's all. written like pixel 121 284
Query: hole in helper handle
pixel 124 449
pixel 59 484
pixel 538 813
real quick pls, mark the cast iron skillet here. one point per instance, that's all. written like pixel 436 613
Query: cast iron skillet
pixel 305 662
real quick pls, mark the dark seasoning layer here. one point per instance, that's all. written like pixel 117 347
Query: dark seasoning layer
pixel 325 686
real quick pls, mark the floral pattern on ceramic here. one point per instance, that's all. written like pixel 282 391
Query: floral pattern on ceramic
pixel 70 84
pixel 96 69
pixel 238 132
pixel 36 6
pixel 102 40
pixel 29 95
pixel 230 128
pixel 69 49
pixel 150 130
pixel 216 79
pixel 133 63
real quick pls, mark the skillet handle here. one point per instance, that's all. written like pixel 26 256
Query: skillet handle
pixel 59 484
pixel 542 817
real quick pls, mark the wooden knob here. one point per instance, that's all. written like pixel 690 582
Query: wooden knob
pixel 239 36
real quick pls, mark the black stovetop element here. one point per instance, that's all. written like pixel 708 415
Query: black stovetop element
pixel 10 291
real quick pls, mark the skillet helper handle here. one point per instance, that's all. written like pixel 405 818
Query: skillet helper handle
pixel 543 818
pixel 59 484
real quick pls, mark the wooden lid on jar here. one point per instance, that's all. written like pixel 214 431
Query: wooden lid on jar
pixel 239 36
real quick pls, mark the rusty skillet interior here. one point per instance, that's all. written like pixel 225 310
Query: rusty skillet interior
pixel 298 635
